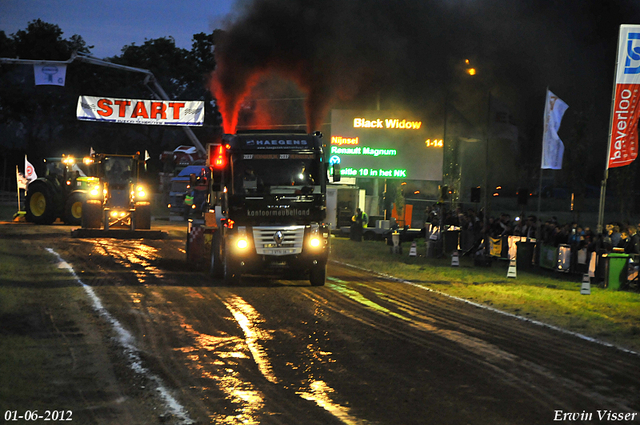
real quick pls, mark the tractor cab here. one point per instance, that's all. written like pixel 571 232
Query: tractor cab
pixel 119 199
pixel 67 171
pixel 60 193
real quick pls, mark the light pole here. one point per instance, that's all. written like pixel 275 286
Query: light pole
pixel 487 130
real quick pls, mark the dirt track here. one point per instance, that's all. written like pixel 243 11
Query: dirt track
pixel 359 350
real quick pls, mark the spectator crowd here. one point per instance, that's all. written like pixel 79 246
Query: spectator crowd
pixel 551 233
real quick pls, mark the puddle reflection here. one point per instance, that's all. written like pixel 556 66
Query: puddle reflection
pixel 225 352
pixel 319 392
pixel 250 320
pixel 227 355
pixel 133 255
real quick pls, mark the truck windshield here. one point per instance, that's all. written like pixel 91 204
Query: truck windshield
pixel 118 170
pixel 261 174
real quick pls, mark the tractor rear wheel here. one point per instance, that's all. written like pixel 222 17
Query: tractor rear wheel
pixel 40 204
pixel 73 209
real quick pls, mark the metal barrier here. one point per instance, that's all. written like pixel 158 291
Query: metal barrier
pixel 11 198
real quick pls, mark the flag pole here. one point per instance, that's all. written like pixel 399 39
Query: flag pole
pixel 18 187
pixel 486 165
pixel 603 184
pixel 544 131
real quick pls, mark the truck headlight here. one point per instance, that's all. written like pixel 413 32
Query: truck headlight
pixel 242 242
pixel 315 239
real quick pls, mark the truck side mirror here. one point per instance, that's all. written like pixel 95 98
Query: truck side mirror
pixel 336 173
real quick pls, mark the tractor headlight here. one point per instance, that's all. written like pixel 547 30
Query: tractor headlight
pixel 94 192
pixel 141 192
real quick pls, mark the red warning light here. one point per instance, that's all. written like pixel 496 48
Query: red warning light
pixel 217 156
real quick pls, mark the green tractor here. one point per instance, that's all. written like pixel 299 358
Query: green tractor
pixel 60 193
pixel 117 198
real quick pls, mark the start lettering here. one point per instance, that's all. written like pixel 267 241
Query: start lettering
pixel 157 110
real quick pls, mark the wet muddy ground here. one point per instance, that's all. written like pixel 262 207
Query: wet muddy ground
pixel 143 339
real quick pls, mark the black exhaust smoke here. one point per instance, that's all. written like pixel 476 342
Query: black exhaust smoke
pixel 408 51
pixel 321 45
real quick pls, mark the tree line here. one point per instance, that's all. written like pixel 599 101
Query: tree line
pixel 40 121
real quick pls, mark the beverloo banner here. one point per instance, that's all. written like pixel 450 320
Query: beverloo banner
pixel 134 111
pixel 623 139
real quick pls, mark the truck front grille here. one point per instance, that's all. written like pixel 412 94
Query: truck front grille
pixel 274 240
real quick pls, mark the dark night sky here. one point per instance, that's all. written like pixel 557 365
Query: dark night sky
pixel 409 53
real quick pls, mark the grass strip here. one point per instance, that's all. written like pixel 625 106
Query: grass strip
pixel 553 298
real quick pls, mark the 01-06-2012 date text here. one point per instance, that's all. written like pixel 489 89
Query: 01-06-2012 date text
pixel 35 415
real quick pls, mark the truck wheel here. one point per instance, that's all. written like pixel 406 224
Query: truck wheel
pixel 91 216
pixel 216 267
pixel 40 204
pixel 73 209
pixel 142 216
pixel 318 274
pixel 231 270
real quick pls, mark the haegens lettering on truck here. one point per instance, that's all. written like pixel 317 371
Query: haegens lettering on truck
pixel 277 142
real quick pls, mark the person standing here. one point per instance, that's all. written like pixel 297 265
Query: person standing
pixel 359 222
pixel 633 242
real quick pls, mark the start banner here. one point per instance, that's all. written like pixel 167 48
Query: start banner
pixel 625 111
pixel 132 111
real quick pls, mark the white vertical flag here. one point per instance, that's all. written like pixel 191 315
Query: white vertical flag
pixel 29 171
pixel 50 74
pixel 552 146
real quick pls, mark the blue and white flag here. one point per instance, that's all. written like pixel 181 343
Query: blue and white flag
pixel 552 146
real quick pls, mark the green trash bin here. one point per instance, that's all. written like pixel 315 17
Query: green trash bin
pixel 615 270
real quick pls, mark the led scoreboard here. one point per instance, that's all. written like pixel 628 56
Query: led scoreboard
pixel 385 144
